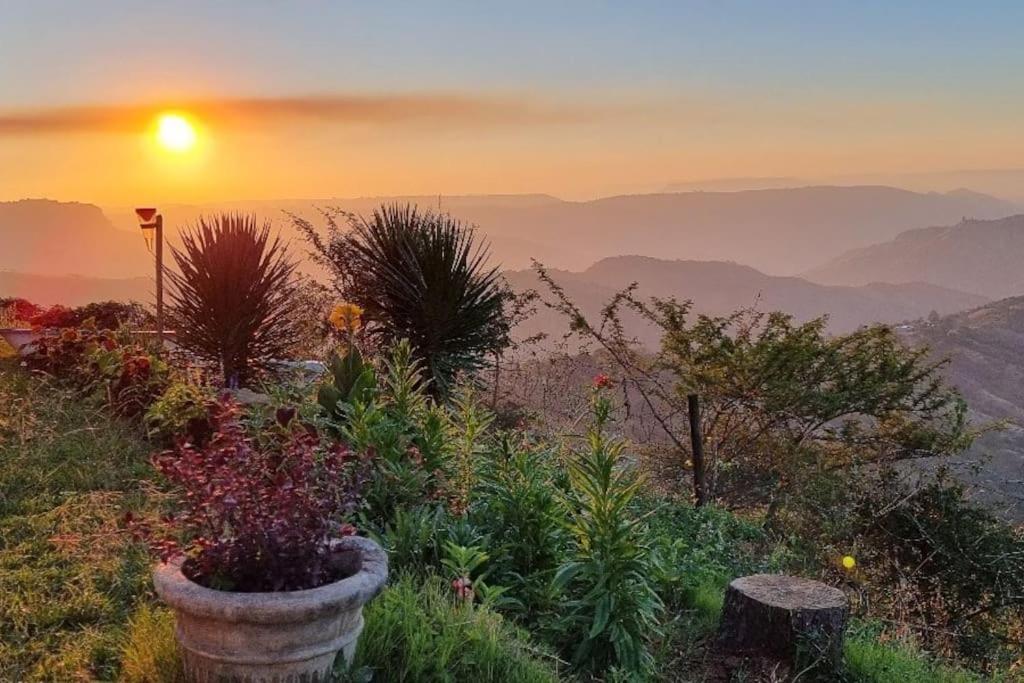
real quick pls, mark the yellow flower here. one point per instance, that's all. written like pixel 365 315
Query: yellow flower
pixel 347 317
pixel 849 563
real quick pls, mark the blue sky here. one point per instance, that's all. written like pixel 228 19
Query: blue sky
pixel 84 51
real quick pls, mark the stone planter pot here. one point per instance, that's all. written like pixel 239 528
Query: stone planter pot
pixel 19 338
pixel 271 637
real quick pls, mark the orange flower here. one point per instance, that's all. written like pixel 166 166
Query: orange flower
pixel 347 317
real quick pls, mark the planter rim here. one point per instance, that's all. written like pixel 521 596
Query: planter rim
pixel 181 593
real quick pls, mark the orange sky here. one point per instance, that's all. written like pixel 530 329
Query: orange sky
pixel 508 143
pixel 575 99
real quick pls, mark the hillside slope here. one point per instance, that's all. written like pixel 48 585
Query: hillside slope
pixel 719 287
pixel 61 238
pixel 984 347
pixel 977 256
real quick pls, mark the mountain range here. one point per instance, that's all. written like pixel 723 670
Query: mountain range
pixel 778 231
pixel 980 256
pixel 723 287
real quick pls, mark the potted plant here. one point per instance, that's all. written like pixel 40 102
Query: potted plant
pixel 266 581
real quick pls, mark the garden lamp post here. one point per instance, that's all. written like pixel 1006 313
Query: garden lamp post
pixel 152 225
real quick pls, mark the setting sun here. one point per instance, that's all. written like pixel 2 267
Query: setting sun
pixel 175 133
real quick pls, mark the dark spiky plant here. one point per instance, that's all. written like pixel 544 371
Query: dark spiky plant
pixel 232 299
pixel 419 276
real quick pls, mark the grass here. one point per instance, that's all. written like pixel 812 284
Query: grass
pixel 415 631
pixel 69 576
pixel 870 661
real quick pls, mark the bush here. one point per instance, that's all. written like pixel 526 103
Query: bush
pixel 949 569
pixel 419 632
pixel 233 304
pixel 128 378
pixel 17 312
pixel 182 405
pixel 422 277
pixel 117 372
pixel 106 315
pixel 260 519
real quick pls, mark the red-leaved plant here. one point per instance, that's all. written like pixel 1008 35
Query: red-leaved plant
pixel 261 518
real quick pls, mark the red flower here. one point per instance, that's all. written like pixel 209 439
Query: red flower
pixel 602 381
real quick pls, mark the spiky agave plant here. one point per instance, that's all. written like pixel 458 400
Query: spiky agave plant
pixel 232 299
pixel 424 277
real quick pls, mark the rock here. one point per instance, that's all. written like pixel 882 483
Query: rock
pixel 769 615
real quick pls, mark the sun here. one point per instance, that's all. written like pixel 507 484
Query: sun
pixel 175 133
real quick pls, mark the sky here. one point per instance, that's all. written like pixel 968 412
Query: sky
pixel 576 99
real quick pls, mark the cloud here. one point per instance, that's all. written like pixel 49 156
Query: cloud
pixel 438 109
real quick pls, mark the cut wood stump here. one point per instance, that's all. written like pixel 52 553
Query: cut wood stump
pixel 770 615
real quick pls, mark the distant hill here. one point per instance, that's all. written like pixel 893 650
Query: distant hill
pixel 737 184
pixel 720 287
pixel 984 347
pixel 980 256
pixel 60 238
pixel 74 290
pixel 779 231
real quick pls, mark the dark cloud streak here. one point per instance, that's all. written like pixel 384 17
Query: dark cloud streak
pixel 437 110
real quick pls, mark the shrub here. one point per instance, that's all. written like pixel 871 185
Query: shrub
pixel 128 378
pixel 123 375
pixel 421 632
pixel 260 519
pixel 951 570
pixel 422 277
pixel 180 406
pixel 17 312
pixel 614 611
pixel 233 303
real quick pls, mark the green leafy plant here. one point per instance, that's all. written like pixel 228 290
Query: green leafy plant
pixel 613 611
pixel 232 298
pixel 518 504
pixel 181 404
pixel 351 380
pixel 404 431
pixel 419 276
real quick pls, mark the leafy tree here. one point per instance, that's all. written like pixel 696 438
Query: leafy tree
pixel 780 399
pixel 418 276
pixel 233 300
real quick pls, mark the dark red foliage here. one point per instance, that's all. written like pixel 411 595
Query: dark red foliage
pixel 63 353
pixel 104 315
pixel 124 376
pixel 260 518
pixel 19 309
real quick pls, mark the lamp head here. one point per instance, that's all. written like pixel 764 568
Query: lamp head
pixel 146 216
pixel 148 220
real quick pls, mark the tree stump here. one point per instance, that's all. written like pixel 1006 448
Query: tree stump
pixel 768 615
